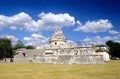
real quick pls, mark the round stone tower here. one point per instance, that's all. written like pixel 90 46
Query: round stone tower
pixel 57 38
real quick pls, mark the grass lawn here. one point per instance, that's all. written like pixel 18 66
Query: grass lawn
pixel 109 70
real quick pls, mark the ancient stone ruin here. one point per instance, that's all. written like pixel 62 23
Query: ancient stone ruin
pixel 61 52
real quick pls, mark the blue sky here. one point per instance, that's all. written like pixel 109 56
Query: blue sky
pixel 87 21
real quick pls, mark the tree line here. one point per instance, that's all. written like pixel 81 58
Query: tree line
pixel 8 51
pixel 114 49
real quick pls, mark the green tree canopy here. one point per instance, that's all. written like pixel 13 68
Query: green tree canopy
pixel 114 49
pixel 29 47
pixel 5 48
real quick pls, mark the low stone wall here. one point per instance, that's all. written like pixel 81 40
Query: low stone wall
pixel 45 59
pixel 26 59
pixel 88 59
pixel 71 59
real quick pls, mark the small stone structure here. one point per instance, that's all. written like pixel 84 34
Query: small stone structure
pixel 61 52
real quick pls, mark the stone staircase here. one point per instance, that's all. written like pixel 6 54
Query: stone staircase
pixel 29 55
pixel 64 59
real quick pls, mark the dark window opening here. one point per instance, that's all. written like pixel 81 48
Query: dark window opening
pixel 48 53
pixel 23 54
pixel 55 43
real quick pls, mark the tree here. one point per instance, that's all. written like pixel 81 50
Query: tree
pixel 110 44
pixel 29 47
pixel 18 45
pixel 5 48
pixel 114 49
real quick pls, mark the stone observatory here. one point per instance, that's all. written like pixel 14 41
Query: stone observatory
pixel 59 51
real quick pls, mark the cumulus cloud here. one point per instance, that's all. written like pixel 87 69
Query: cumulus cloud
pixel 95 26
pixel 48 21
pixel 51 21
pixel 15 21
pixel 35 39
pixel 99 39
pixel 70 41
pixel 113 32
pixel 12 38
pixel 57 20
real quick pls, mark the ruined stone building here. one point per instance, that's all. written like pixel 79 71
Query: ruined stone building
pixel 61 52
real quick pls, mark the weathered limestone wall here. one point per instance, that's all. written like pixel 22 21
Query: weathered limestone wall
pixel 22 59
pixel 61 56
pixel 88 59
pixel 45 59
pixel 71 59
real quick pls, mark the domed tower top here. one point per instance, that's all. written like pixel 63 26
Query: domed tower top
pixel 57 38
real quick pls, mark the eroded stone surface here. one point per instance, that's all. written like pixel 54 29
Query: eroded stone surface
pixel 61 52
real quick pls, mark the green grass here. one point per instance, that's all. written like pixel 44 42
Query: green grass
pixel 109 70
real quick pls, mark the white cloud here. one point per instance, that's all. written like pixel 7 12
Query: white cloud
pixel 52 21
pixel 87 39
pixel 48 21
pixel 13 27
pixel 113 32
pixel 37 36
pixel 15 21
pixel 35 39
pixel 95 26
pixel 57 19
pixel 70 41
pixel 78 23
pixel 11 37
pixel 99 39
